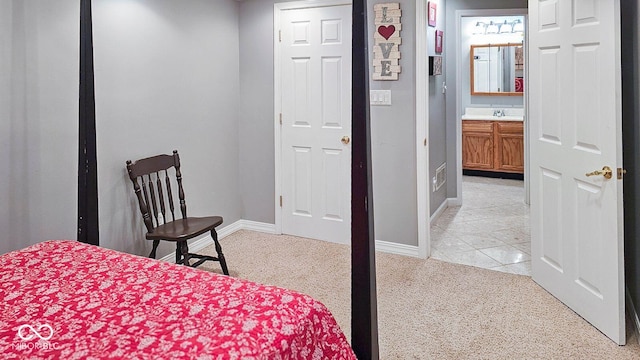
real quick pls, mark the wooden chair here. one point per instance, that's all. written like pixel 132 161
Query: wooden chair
pixel 152 183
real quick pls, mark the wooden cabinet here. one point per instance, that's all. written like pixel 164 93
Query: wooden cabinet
pixel 477 145
pixel 493 146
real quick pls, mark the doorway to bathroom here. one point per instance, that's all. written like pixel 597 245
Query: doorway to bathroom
pixel 490 229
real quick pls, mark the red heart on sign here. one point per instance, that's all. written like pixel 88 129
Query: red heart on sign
pixel 386 31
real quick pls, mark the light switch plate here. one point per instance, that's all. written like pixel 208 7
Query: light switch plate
pixel 380 97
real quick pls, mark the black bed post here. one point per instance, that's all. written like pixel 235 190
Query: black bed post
pixel 87 159
pixel 364 313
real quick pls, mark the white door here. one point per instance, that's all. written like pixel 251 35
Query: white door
pixel 575 114
pixel 315 50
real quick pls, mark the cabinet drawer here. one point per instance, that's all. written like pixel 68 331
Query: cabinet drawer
pixel 509 127
pixel 477 126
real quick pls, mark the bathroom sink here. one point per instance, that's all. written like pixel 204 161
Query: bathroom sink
pixel 506 114
pixel 492 118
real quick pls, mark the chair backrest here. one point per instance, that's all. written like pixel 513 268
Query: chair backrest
pixel 147 176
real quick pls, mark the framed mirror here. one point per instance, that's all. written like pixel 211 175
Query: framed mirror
pixel 497 70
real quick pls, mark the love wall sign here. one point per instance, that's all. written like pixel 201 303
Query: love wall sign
pixel 386 54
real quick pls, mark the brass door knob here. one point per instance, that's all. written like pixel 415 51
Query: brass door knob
pixel 345 140
pixel 606 172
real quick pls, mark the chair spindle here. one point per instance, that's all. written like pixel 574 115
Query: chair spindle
pixel 142 205
pixel 154 202
pixel 145 191
pixel 161 198
pixel 183 203
pixel 170 195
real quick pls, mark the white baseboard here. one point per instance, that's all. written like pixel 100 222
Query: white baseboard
pixel 398 249
pixel 206 240
pixel 258 226
pixel 441 209
pixel 456 201
pixel 633 314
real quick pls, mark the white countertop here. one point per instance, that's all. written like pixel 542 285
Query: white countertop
pixel 492 118
pixel 486 113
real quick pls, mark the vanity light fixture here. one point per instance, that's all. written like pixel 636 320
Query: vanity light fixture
pixel 492 28
pixel 506 27
pixel 480 28
pixel 518 26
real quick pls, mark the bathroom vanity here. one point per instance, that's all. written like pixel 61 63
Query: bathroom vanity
pixel 493 140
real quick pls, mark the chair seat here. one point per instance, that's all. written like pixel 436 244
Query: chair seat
pixel 184 229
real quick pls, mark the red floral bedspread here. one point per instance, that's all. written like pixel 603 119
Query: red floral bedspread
pixel 68 300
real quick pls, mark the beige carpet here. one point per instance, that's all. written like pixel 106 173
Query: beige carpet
pixel 428 309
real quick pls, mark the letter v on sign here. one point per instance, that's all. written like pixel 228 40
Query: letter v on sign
pixel 386 49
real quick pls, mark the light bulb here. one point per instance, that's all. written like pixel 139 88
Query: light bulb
pixel 505 28
pixel 518 26
pixel 492 28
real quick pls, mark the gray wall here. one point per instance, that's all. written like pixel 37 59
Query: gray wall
pixel 166 79
pixel 393 127
pixel 38 121
pixel 393 134
pixel 437 113
pixel 452 82
pixel 631 150
pixel 256 122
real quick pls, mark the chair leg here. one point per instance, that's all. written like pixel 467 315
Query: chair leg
pixel 178 253
pixel 184 249
pixel 155 247
pixel 223 262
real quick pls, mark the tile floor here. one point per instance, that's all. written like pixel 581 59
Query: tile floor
pixel 490 230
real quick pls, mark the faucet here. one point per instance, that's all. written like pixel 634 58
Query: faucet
pixel 498 113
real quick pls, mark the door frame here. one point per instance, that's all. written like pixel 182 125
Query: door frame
pixel 487 13
pixel 422 111
pixel 277 91
pixel 423 194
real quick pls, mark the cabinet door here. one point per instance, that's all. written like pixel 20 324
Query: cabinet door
pixel 509 151
pixel 477 145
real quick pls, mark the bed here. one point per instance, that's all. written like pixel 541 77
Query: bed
pixel 69 300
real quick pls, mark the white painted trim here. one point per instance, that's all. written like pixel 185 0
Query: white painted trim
pixel 207 240
pixel 456 201
pixel 225 231
pixel 277 109
pixel 441 209
pixel 459 80
pixel 527 128
pixel 304 4
pixel 277 92
pixel 635 320
pixel 422 131
pixel 398 249
pixel 258 226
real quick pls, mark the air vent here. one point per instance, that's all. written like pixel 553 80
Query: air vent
pixel 441 177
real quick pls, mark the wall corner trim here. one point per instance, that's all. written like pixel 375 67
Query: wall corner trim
pixel 440 210
pixel 456 201
pixel 398 249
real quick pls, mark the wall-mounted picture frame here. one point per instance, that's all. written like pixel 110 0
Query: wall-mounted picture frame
pixel 432 13
pixel 439 40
